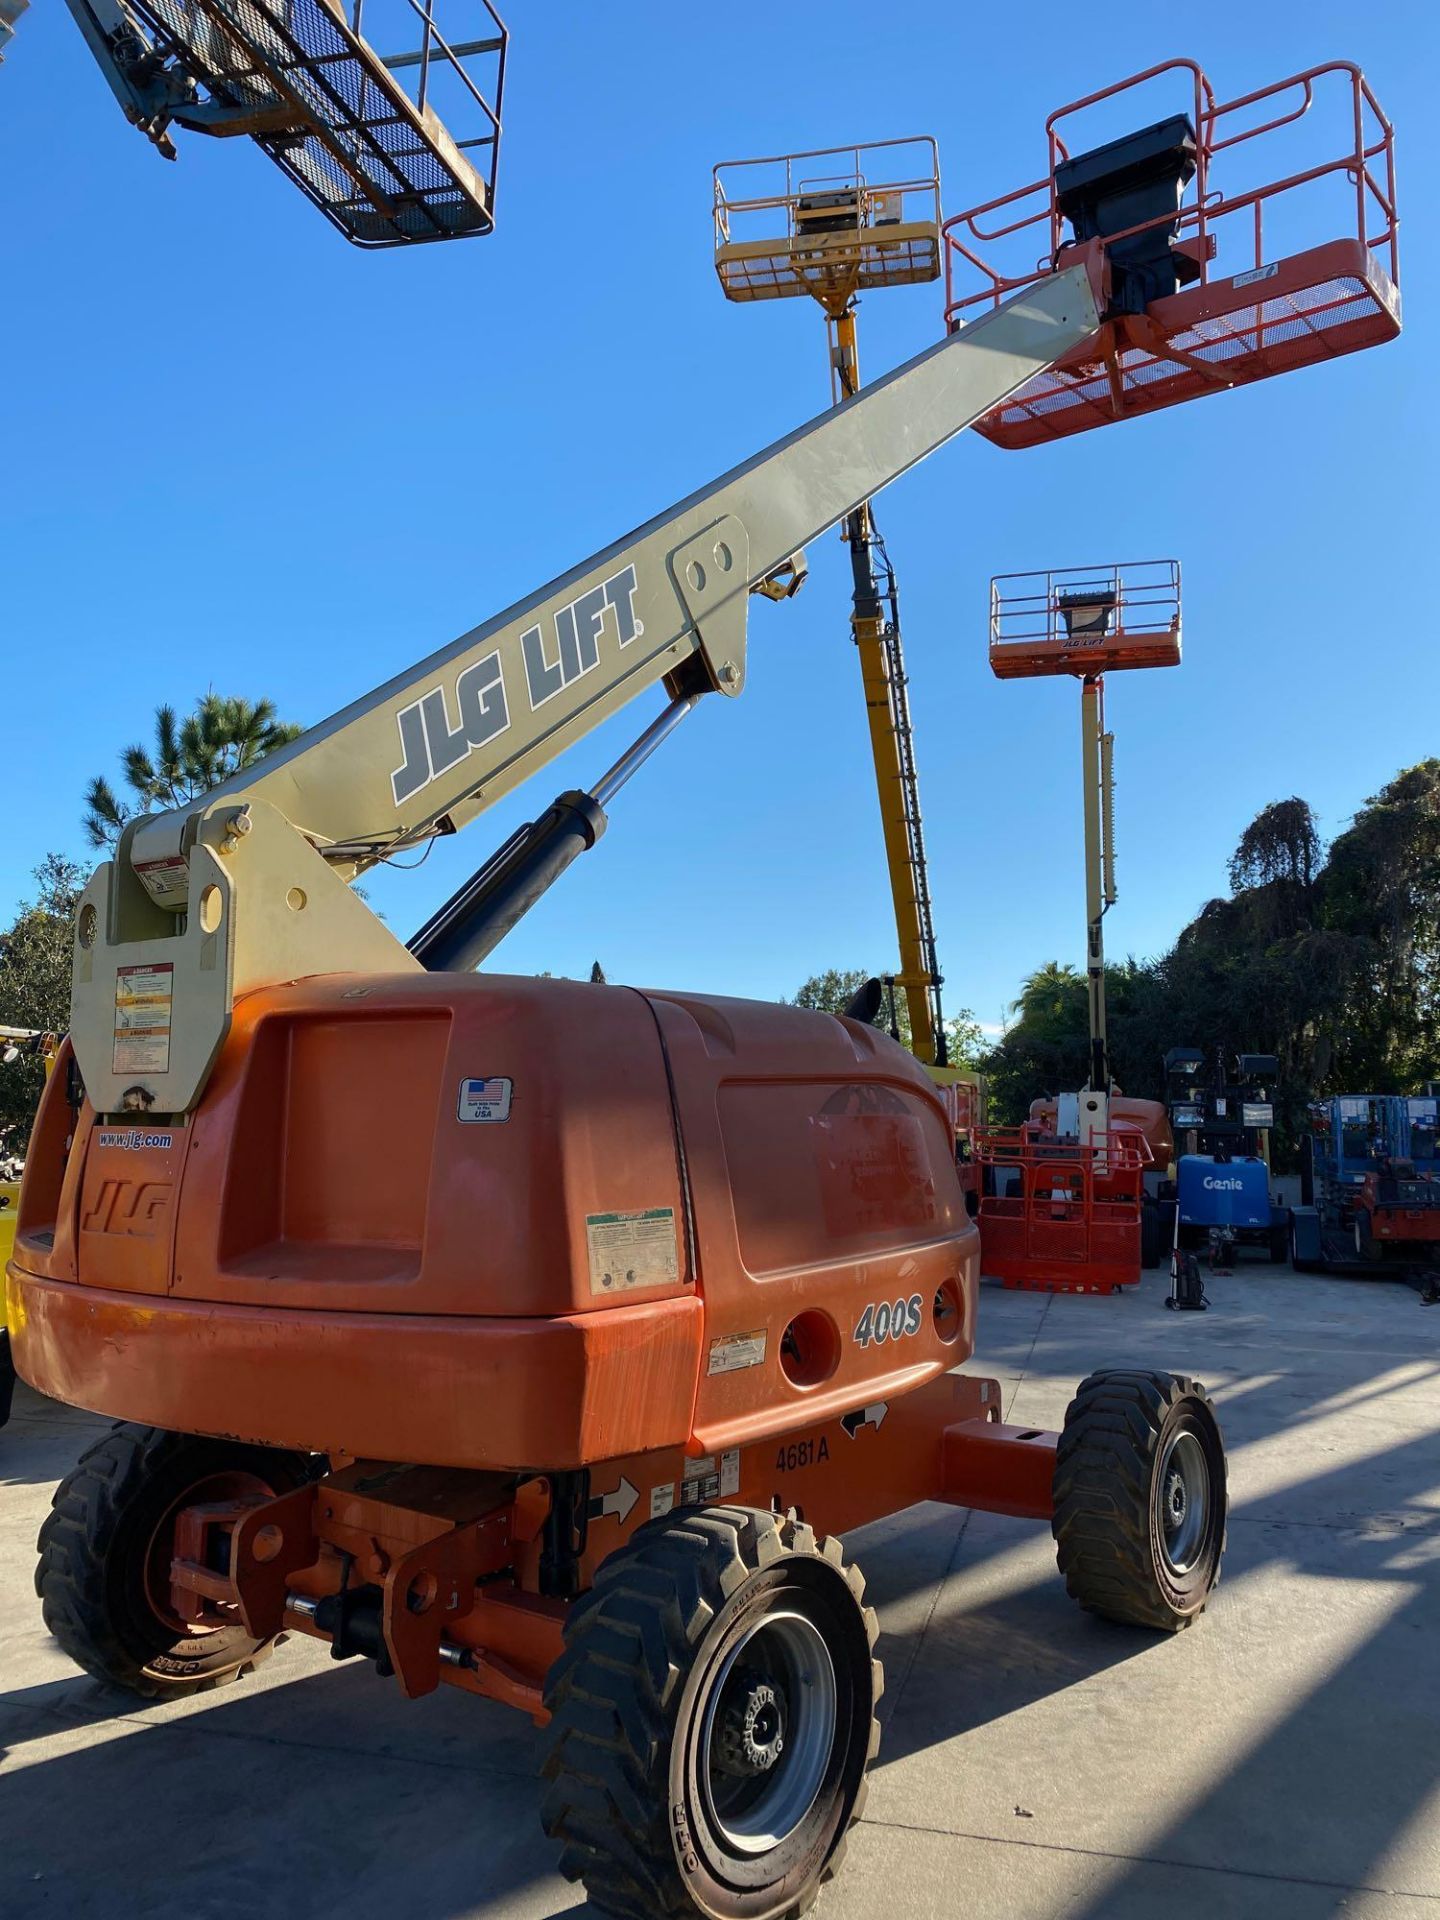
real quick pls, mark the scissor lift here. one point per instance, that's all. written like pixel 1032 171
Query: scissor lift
pixel 1245 238
pixel 322 87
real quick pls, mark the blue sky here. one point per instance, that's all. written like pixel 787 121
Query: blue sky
pixel 243 454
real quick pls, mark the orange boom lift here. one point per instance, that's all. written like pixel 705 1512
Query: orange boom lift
pixel 1064 1207
pixel 659 1292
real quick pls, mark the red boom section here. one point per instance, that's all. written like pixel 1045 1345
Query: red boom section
pixel 1275 305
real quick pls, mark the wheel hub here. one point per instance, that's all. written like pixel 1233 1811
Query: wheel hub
pixel 752 1725
pixel 1183 1498
pixel 1176 1502
pixel 769 1727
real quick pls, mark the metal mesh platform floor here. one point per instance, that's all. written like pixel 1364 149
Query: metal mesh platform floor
pixel 865 258
pixel 1330 300
pixel 326 108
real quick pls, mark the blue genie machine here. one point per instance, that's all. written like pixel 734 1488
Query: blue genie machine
pixel 1219 1200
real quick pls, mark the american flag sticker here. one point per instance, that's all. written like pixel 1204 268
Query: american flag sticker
pixel 483 1100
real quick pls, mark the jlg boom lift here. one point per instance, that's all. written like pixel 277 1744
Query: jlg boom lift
pixel 660 1291
pixel 1065 1208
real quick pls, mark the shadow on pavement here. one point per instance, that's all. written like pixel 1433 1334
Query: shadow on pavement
pixel 272 1802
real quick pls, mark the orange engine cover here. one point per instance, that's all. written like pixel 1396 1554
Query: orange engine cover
pixel 500 1222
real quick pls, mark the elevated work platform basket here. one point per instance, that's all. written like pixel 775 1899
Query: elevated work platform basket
pixel 1085 620
pixel 1279 228
pixel 830 223
pixel 1059 1216
pixel 359 131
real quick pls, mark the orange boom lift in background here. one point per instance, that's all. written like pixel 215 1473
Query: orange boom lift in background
pixel 659 1291
pixel 1064 1207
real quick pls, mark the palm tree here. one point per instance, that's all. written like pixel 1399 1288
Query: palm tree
pixel 221 736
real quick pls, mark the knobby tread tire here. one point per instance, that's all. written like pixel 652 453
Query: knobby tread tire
pixel 7 1376
pixel 631 1643
pixel 82 1548
pixel 1105 1466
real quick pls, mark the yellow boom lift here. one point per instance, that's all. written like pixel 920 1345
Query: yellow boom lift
pixel 829 225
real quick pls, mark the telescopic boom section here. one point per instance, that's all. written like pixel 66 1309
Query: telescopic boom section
pixel 249 887
pixel 1096 747
pixel 1089 621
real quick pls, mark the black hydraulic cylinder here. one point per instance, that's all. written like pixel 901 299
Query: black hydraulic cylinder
pixel 474 920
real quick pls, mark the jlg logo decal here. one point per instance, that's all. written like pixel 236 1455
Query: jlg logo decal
pixel 122 1206
pixel 884 1321
pixel 430 745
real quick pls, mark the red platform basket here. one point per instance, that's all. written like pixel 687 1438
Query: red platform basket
pixel 1260 316
pixel 1062 1217
pixel 1085 620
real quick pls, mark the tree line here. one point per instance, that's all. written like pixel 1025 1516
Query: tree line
pixel 1327 956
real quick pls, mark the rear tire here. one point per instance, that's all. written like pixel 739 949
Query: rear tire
pixel 106 1546
pixel 713 1715
pixel 1140 1500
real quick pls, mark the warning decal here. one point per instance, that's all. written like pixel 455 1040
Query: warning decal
pixel 629 1250
pixel 736 1351
pixel 709 1479
pixel 144 997
pixel 165 878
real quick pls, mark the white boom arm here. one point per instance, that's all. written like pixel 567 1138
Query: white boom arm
pixel 249 887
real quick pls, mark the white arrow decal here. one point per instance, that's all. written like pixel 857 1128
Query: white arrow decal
pixel 619 1502
pixel 873 1416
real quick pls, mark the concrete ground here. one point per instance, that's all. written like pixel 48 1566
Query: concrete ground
pixel 1280 1759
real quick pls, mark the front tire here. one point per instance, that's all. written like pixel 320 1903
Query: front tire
pixel 1140 1499
pixel 105 1552
pixel 713 1715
